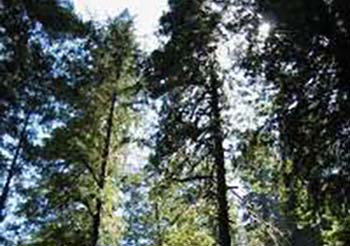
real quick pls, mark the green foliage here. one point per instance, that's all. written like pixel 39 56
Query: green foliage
pixel 28 98
pixel 186 73
pixel 65 116
pixel 55 16
pixel 28 94
pixel 303 58
pixel 75 175
pixel 158 216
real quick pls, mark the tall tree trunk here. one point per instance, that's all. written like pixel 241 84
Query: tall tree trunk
pixel 219 158
pixel 13 169
pixel 105 155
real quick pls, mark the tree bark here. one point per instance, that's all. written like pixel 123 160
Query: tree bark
pixel 105 155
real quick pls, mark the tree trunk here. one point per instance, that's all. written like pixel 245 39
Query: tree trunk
pixel 219 158
pixel 105 155
pixel 12 171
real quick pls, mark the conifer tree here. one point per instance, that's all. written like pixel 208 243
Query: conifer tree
pixel 27 85
pixel 303 58
pixel 185 73
pixel 76 197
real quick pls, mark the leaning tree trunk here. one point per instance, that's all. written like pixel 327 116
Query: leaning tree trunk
pixel 219 159
pixel 13 169
pixel 102 176
pixel 18 64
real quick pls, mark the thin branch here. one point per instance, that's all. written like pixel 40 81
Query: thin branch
pixel 193 178
pixel 92 172
pixel 87 205
pixel 232 187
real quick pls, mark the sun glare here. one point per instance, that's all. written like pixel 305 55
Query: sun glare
pixel 264 29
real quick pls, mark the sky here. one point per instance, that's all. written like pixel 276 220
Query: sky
pixel 146 14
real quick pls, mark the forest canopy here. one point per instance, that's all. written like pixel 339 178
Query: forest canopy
pixel 234 130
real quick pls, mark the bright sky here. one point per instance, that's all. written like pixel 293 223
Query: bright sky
pixel 145 12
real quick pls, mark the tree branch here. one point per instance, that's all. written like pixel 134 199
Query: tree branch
pixel 193 178
pixel 92 172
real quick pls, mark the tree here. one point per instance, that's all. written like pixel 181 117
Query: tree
pixel 55 16
pixel 304 59
pixel 27 85
pixel 185 74
pixel 76 197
